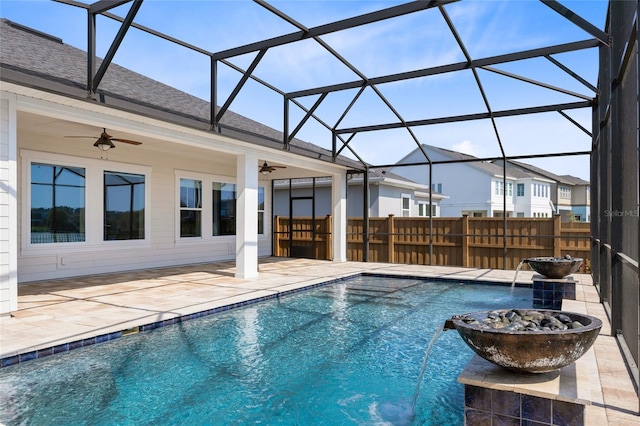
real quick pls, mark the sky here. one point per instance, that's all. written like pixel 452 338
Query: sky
pixel 420 40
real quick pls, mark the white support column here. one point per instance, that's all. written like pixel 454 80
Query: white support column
pixel 339 204
pixel 8 205
pixel 247 217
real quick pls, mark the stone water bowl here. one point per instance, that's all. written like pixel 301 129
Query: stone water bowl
pixel 554 267
pixel 532 350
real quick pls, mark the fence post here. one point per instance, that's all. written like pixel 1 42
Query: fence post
pixel 557 233
pixel 276 236
pixel 465 240
pixel 329 236
pixel 391 238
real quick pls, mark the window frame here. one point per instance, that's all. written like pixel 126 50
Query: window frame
pixel 54 188
pixel 94 201
pixel 131 218
pixel 181 209
pixel 427 209
pixel 207 207
pixel 519 189
pixel 404 210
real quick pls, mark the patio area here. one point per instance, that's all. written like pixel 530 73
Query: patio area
pixel 52 314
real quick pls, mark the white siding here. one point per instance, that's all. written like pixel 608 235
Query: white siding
pixel 162 247
pixel 8 206
pixel 467 187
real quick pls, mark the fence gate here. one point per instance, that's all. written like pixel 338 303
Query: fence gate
pixel 298 230
pixel 302 238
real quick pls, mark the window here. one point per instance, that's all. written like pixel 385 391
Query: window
pixel 565 192
pixel 424 209
pixel 224 209
pixel 57 204
pixel 124 197
pixel 520 190
pixel 510 189
pixel 190 208
pixel 520 214
pixel 499 188
pixel 260 210
pixel 406 205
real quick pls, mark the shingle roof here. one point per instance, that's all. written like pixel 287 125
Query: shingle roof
pixel 492 168
pixel 574 180
pixel 29 57
pixel 567 179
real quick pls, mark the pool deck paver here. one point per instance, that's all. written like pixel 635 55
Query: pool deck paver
pixel 66 310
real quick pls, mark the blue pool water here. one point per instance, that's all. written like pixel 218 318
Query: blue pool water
pixel 343 354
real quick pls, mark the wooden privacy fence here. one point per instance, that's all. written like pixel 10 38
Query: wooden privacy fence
pixel 460 241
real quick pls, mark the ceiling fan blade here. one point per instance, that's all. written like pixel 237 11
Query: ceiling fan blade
pixel 126 141
pixel 83 137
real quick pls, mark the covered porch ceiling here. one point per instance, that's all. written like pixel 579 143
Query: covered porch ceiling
pixel 78 138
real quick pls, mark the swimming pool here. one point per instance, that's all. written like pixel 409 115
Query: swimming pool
pixel 345 353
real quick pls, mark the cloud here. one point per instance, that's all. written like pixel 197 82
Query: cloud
pixel 467 147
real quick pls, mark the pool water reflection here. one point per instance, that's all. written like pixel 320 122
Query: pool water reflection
pixel 344 353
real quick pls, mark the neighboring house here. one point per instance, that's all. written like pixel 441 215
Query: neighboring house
pixel 580 198
pixel 388 194
pixel 570 195
pixel 186 194
pixel 477 188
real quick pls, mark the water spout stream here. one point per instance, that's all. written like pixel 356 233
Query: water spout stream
pixel 437 334
pixel 513 283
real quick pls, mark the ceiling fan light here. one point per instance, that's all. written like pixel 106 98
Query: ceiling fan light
pixel 104 144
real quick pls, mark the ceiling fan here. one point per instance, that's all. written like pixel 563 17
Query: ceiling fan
pixel 105 141
pixel 266 168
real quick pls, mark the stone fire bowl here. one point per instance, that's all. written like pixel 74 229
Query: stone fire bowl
pixel 530 351
pixel 554 267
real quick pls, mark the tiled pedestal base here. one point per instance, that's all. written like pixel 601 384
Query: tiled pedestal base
pixel 496 396
pixel 548 292
pixel 483 406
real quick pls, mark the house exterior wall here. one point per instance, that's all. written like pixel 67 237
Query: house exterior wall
pixel 497 197
pixel 390 201
pixel 162 245
pixel 304 207
pixel 383 200
pixel 8 205
pixel 580 195
pixel 581 213
pixel 468 188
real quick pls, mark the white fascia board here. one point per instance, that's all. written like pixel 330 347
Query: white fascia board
pixel 434 195
pixel 508 177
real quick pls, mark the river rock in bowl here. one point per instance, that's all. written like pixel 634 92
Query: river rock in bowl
pixel 527 340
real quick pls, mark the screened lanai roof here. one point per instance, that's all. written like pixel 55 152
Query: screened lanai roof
pixel 371 81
